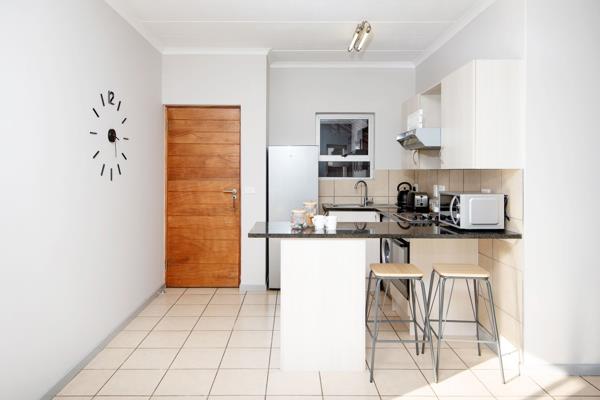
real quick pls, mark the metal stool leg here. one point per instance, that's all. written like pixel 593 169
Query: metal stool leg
pixel 475 294
pixel 376 333
pixel 495 327
pixel 367 302
pixel 429 301
pixel 427 328
pixel 442 285
pixel 413 310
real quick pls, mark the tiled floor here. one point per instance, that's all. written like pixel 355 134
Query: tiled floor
pixel 192 344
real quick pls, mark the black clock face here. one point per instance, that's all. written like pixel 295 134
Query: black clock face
pixel 110 134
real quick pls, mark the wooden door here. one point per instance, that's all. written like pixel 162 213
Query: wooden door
pixel 203 220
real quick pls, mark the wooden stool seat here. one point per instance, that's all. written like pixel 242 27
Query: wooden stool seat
pixel 397 271
pixel 466 271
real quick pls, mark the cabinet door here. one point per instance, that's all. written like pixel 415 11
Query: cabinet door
pixel 458 119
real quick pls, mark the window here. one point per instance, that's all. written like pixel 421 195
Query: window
pixel 346 145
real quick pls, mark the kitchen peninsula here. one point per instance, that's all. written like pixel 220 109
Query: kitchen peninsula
pixel 323 287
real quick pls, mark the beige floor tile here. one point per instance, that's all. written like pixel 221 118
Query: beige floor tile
pixel 487 360
pixel 198 359
pixel 254 324
pixel 221 310
pixel 109 359
pixel 293 383
pixel 225 299
pixel 516 386
pixel 142 324
pixel 231 291
pixel 174 290
pixel 347 383
pixel 383 335
pixel 236 397
pixel 448 359
pixel 215 324
pixel 122 398
pixel 276 339
pixel 297 398
pixel 168 299
pixel 568 398
pixel 178 398
pixel 402 383
pixel 456 383
pixel 164 340
pixel 86 382
pixel 127 339
pixel 594 380
pixel 277 324
pixel 256 339
pixel 366 398
pixel 240 382
pixel 194 299
pixel 260 298
pixel 203 339
pixel 387 358
pixel 383 326
pixel 154 310
pixel 186 310
pixel 132 383
pixel 72 398
pixel 176 324
pixel 246 358
pixel 560 385
pixel 186 382
pixel 257 310
pixel 150 359
pixel 209 291
pixel 275 357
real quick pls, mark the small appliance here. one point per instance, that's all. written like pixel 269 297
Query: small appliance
pixel 417 202
pixel 403 189
pixel 472 210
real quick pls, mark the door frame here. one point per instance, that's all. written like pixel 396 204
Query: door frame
pixel 166 180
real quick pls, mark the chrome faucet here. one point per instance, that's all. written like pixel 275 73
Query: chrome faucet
pixel 365 199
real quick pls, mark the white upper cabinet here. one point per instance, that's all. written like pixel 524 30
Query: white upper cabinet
pixel 482 116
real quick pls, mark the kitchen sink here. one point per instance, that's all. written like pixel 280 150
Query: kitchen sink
pixel 352 207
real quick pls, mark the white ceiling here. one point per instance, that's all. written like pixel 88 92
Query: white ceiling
pixel 299 30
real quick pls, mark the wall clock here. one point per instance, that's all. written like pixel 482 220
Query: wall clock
pixel 109 133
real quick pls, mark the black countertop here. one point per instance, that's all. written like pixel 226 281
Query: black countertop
pixel 376 230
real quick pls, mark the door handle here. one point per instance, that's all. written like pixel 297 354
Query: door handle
pixel 232 191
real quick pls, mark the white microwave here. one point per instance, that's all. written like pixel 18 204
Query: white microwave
pixel 472 210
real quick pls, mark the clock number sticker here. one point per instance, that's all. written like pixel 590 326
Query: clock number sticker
pixel 110 135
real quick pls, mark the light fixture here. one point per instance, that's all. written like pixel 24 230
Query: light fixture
pixel 359 38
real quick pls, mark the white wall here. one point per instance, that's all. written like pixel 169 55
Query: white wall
pixel 562 278
pixel 296 94
pixel 232 80
pixel 79 253
pixel 498 32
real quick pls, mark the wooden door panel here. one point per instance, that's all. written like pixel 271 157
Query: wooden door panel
pixel 202 275
pixel 205 126
pixel 204 113
pixel 195 173
pixel 220 161
pixel 196 149
pixel 202 222
pixel 190 135
pixel 185 250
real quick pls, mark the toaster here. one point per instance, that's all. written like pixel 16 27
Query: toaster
pixel 417 202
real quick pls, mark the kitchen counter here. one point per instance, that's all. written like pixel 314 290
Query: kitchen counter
pixel 376 230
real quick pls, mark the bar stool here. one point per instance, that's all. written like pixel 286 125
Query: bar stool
pixel 453 272
pixel 390 272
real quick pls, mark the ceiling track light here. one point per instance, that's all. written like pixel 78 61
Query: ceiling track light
pixel 362 31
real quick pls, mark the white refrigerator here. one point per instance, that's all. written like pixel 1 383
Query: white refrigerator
pixel 293 178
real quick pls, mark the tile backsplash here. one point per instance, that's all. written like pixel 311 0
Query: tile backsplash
pixel 503 258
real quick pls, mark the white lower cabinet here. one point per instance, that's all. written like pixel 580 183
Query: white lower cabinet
pixel 373 245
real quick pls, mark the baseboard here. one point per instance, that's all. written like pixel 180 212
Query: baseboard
pixel 75 370
pixel 566 369
pixel 252 288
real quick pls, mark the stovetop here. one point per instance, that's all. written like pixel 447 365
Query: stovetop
pixel 416 218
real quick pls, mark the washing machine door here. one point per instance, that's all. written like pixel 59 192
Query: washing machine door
pixel 386 251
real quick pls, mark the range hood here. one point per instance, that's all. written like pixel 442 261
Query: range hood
pixel 421 139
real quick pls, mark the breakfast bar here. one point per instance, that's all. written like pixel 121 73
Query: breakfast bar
pixel 323 287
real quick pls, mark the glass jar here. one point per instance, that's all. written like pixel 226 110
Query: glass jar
pixel 298 219
pixel 311 210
